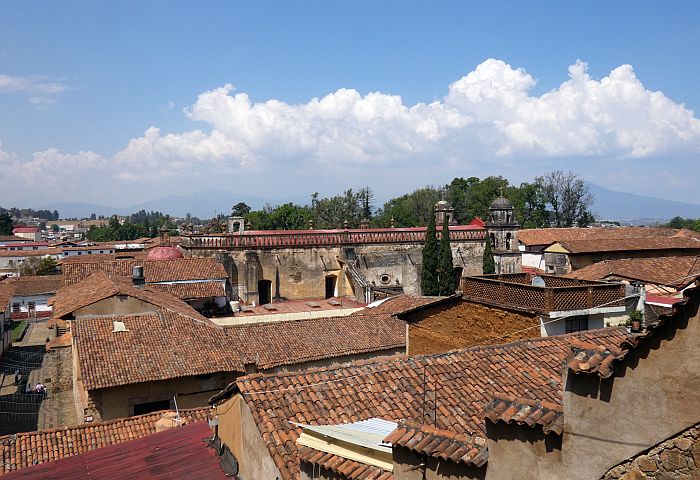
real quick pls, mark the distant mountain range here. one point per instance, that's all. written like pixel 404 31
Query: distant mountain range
pixel 205 204
pixel 609 205
pixel 638 209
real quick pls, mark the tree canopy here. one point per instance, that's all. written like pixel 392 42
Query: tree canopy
pixel 429 273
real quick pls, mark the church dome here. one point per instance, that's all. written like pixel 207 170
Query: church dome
pixel 501 203
pixel 164 253
pixel 443 205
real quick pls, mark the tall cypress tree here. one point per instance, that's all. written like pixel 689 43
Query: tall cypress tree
pixel 446 278
pixel 489 265
pixel 429 274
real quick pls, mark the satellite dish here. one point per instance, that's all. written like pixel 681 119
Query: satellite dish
pixel 537 281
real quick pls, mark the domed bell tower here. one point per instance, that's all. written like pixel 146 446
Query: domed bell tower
pixel 503 229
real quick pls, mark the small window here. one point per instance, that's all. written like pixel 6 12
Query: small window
pixel 385 279
pixel 576 324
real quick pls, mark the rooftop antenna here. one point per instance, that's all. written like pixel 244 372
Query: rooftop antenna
pixel 177 411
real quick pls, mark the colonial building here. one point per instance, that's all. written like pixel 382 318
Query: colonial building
pixel 503 230
pixel 361 263
pixel 599 404
pixel 261 418
pixel 31 295
pixel 559 305
pixel 559 251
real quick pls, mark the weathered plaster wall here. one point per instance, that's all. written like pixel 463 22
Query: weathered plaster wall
pixel 517 451
pixel 407 467
pixel 238 430
pixel 675 458
pixel 116 305
pixel 191 392
pixel 298 273
pixel 653 395
pixel 466 324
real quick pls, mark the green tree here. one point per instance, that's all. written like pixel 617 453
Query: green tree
pixel 37 266
pixel 5 224
pixel 568 196
pixel 429 273
pixel 489 265
pixel 55 228
pixel 241 209
pixel 472 197
pixel 411 210
pixel 529 204
pixel 445 270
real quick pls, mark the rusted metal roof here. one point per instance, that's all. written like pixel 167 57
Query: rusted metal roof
pixel 178 453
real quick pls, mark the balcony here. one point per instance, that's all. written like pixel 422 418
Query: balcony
pixel 558 293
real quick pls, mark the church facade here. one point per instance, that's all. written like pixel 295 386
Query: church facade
pixel 503 229
pixel 364 263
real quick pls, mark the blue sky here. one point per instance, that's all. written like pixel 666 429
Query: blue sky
pixel 81 84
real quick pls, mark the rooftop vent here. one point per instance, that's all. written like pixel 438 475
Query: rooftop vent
pixel 119 327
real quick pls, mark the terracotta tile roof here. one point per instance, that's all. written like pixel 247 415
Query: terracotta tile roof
pixel 30 253
pixel 464 381
pixel 348 469
pixel 36 285
pixel 191 290
pixel 23 450
pixel 588 358
pixel 300 305
pixel 292 342
pixel 100 286
pixel 600 360
pixel 153 270
pixel 442 444
pixel 156 346
pixel 399 304
pixel 65 340
pixel 176 454
pixel 13 238
pixel 547 236
pixel 524 411
pixel 7 291
pixel 671 271
pixel 631 244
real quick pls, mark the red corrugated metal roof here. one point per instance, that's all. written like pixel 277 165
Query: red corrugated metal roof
pixel 174 454
pixel 25 230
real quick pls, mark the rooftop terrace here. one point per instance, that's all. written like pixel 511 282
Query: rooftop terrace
pixel 557 294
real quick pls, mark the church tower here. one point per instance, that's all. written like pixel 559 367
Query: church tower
pixel 503 229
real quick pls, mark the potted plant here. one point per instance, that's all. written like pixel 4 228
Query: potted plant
pixel 636 320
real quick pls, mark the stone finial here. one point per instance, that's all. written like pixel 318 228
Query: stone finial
pixel 364 223
pixel 346 224
pixel 248 226
pixel 311 223
pixel 392 222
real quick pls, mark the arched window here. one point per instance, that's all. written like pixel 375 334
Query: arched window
pixel 508 241
pixel 493 241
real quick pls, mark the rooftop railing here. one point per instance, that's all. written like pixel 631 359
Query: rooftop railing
pixel 558 294
pixel 321 238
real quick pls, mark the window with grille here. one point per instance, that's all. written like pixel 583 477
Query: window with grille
pixel 576 324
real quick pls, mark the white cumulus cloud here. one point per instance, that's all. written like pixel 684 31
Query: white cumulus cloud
pixel 488 117
pixel 487 113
